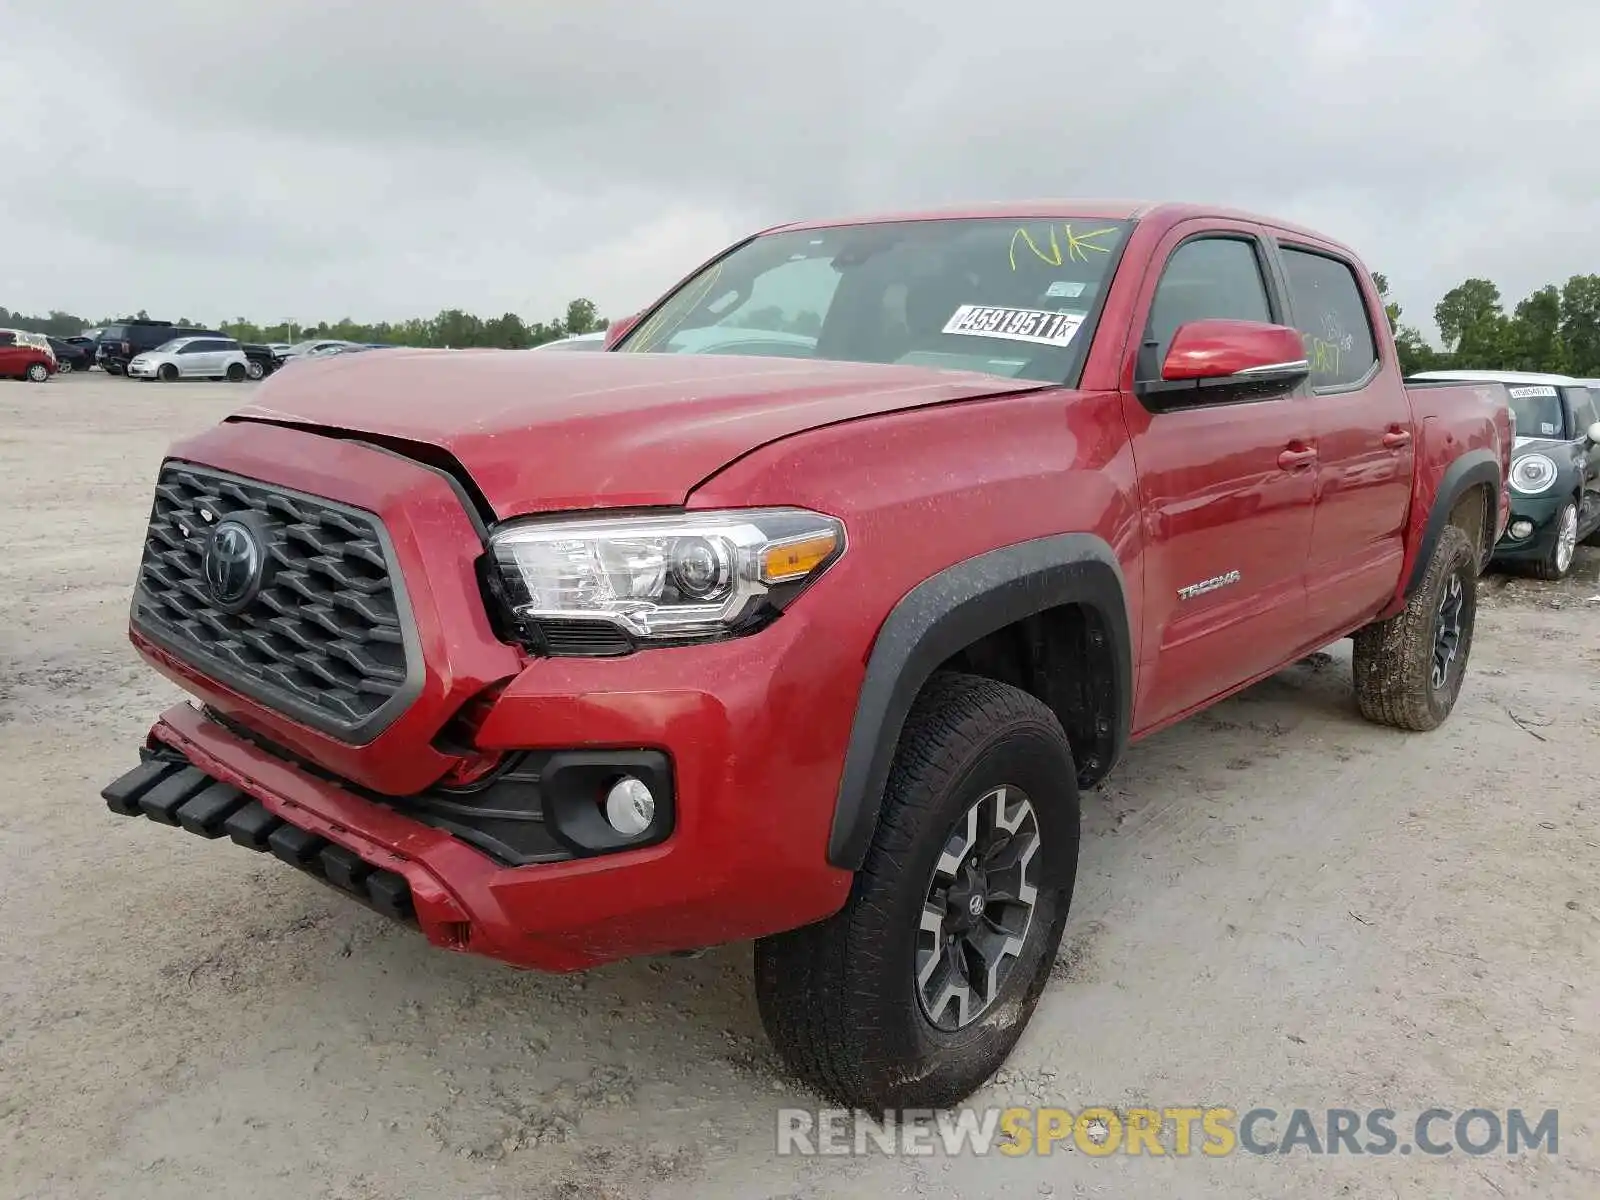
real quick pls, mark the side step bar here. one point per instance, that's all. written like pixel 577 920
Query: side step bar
pixel 169 790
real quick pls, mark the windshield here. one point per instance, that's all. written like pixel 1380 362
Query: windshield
pixel 1537 408
pixel 1006 297
pixel 169 347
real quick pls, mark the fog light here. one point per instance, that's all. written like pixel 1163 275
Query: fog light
pixel 1521 529
pixel 630 807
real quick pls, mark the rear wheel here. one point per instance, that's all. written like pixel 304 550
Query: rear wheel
pixel 168 372
pixel 1408 669
pixel 64 366
pixel 915 992
pixel 255 370
pixel 38 373
pixel 1557 561
pixel 236 373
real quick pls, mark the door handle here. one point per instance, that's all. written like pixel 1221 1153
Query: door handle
pixel 1396 438
pixel 1293 460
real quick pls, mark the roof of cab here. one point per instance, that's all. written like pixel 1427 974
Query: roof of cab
pixel 1164 213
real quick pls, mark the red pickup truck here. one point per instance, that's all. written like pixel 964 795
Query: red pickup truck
pixel 804 612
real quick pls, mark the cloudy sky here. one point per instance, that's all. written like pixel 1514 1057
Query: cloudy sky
pixel 306 160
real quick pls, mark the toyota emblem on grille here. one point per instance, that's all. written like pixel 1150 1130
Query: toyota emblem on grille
pixel 233 564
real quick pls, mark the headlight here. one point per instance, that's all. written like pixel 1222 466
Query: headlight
pixel 1532 474
pixel 684 577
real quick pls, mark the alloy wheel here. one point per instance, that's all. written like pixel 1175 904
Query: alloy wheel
pixel 1567 539
pixel 978 909
pixel 1447 630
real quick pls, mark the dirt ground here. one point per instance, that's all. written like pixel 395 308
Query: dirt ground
pixel 1279 906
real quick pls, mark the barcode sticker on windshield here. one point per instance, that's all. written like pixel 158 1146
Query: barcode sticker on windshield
pixel 1015 324
pixel 1528 393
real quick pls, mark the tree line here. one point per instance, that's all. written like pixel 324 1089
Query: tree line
pixel 1556 329
pixel 451 328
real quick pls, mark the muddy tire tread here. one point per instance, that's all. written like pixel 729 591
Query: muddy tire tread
pixel 1392 659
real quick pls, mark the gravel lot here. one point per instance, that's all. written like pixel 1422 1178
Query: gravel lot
pixel 1280 906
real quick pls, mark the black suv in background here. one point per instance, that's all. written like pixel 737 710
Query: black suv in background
pixel 125 340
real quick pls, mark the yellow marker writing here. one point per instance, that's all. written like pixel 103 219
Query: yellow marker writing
pixel 1078 245
pixel 1053 258
pixel 649 335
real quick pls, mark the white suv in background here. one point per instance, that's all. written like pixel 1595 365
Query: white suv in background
pixel 192 358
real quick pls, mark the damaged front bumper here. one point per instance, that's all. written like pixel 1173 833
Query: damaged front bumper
pixel 169 790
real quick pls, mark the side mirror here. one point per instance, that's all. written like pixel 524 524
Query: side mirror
pixel 1215 360
pixel 617 328
pixel 1593 434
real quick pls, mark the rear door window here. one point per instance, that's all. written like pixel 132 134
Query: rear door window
pixel 1332 319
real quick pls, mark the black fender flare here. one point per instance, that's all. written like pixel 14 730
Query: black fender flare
pixel 950 611
pixel 1473 469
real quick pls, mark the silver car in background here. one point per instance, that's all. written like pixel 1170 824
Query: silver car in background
pixel 192 358
pixel 579 341
pixel 317 347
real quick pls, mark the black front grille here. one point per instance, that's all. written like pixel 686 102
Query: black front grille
pixel 326 639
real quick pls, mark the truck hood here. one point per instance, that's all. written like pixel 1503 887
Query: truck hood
pixel 551 432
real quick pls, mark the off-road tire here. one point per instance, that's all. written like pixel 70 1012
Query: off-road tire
pixel 168 373
pixel 38 373
pixel 1549 567
pixel 1393 660
pixel 839 998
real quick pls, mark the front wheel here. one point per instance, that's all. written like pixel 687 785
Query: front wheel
pixel 1408 670
pixel 168 373
pixel 916 991
pixel 1557 561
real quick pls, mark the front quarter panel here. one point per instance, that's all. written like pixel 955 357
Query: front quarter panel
pixel 921 492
